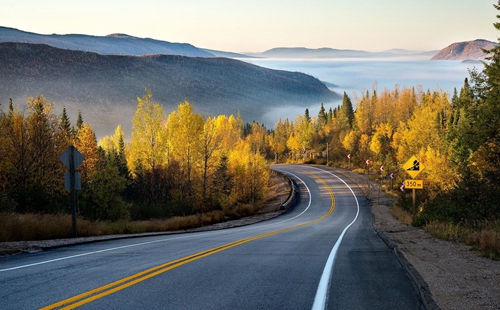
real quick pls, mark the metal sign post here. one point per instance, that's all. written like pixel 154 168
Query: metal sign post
pixel 71 158
pixel 413 167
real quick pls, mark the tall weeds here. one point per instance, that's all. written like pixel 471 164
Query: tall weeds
pixel 483 237
pixel 22 227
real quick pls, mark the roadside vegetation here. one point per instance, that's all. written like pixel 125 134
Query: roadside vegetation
pixel 183 165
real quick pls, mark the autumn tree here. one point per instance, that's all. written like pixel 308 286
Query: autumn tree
pixel 148 146
pixel 185 130
pixel 114 146
pixel 302 135
pixel 209 143
pixel 34 144
pixel 86 144
pixel 278 138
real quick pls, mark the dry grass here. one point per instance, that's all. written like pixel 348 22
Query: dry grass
pixel 22 227
pixel 484 237
pixel 402 215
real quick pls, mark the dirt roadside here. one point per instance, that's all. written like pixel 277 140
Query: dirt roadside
pixel 449 275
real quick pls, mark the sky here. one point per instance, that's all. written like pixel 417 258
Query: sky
pixel 259 25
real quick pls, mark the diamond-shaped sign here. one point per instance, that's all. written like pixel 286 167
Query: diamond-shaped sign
pixel 413 167
pixel 77 157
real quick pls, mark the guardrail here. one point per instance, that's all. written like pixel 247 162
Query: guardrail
pixel 292 195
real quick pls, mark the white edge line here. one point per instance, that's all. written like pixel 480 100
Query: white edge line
pixel 85 254
pixel 322 291
pixel 310 198
pixel 136 244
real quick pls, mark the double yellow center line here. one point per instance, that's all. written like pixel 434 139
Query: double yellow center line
pixel 119 285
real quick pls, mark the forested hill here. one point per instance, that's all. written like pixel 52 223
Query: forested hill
pixel 106 87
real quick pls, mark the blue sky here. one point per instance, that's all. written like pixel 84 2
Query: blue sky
pixel 258 25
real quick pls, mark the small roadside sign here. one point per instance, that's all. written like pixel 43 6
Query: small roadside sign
pixel 67 181
pixel 414 184
pixel 71 158
pixel 77 157
pixel 413 167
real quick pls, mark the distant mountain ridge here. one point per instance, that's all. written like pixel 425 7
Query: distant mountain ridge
pixel 469 50
pixel 326 52
pixel 113 44
pixel 105 87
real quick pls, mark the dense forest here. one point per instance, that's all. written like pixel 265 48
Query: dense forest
pixel 176 165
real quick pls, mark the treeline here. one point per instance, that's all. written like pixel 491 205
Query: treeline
pixel 173 165
pixel 456 139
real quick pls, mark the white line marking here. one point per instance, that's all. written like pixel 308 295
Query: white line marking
pixel 324 282
pixel 143 243
pixel 88 253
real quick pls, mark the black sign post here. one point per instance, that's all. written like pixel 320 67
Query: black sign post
pixel 71 158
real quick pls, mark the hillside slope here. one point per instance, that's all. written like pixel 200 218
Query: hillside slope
pixel 113 44
pixel 469 50
pixel 105 87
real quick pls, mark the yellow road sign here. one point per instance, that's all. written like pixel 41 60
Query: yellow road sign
pixel 413 167
pixel 414 184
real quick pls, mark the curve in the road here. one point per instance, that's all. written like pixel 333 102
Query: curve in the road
pixel 121 284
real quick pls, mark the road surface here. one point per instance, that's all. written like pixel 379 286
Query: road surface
pixel 321 254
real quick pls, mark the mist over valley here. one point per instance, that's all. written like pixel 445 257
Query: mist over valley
pixel 105 87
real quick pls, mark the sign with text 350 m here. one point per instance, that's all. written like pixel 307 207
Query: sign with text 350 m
pixel 414 184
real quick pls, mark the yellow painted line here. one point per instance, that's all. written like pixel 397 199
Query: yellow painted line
pixel 119 285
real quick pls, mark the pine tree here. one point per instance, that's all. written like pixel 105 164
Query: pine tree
pixel 11 109
pixel 347 110
pixel 79 121
pixel 307 116
pixel 322 117
pixel 65 125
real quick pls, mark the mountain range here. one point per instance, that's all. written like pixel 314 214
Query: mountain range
pixel 123 44
pixel 113 44
pixel 307 53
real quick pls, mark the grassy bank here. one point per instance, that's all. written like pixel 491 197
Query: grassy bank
pixel 21 227
pixel 31 227
pixel 482 237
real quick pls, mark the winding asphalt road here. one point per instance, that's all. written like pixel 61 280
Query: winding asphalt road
pixel 321 254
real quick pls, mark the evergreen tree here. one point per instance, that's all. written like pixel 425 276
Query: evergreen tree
pixel 322 117
pixel 223 183
pixel 79 121
pixel 65 125
pixel 347 109
pixel 330 115
pixel 11 109
pixel 307 116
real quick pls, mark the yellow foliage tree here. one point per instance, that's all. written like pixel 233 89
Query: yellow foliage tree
pixel 185 129
pixel 86 144
pixel 148 146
